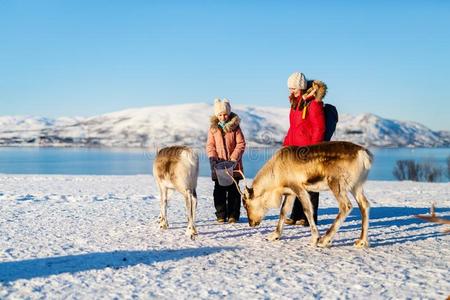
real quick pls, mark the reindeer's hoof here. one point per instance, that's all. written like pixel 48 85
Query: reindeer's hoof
pixel 361 244
pixel 314 241
pixel 274 236
pixel 191 233
pixel 163 225
pixel 324 243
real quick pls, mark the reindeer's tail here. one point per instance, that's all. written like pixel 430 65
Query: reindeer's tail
pixel 190 159
pixel 365 158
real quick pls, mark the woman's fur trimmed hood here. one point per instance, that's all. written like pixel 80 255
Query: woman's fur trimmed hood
pixel 321 89
pixel 315 88
pixel 232 123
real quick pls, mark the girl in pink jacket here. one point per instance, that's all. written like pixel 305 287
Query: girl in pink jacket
pixel 226 142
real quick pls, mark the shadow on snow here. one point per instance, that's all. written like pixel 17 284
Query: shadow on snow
pixel 380 217
pixel 42 267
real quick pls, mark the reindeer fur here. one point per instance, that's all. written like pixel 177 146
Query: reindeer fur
pixel 341 167
pixel 176 168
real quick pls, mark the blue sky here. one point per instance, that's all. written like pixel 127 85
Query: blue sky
pixel 83 58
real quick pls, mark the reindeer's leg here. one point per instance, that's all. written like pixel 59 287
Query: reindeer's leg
pixel 345 207
pixel 308 210
pixel 163 224
pixel 194 209
pixel 190 230
pixel 285 208
pixel 364 207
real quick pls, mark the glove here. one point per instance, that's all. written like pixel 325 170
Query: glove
pixel 212 162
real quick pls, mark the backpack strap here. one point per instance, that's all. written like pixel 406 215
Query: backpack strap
pixel 306 104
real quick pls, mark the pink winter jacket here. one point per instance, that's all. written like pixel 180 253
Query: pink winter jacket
pixel 226 144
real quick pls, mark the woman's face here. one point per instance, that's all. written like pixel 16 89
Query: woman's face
pixel 222 117
pixel 294 91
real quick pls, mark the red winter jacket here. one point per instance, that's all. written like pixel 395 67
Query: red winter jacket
pixel 309 130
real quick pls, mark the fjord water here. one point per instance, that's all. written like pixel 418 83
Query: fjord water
pixel 106 161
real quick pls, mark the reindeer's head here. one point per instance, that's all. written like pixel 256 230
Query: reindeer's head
pixel 253 206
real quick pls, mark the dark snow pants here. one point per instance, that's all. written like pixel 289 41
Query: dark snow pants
pixel 297 209
pixel 227 201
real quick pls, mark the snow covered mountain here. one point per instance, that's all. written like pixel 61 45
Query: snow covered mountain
pixel 188 124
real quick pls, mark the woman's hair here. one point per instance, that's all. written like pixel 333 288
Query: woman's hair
pixel 294 100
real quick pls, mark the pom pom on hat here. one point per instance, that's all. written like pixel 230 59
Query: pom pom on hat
pixel 297 81
pixel 222 106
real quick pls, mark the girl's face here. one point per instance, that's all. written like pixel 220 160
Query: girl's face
pixel 294 91
pixel 222 117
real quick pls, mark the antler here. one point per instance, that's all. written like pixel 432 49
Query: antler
pixel 432 218
pixel 235 182
pixel 243 177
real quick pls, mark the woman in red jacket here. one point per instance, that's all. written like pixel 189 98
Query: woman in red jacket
pixel 306 127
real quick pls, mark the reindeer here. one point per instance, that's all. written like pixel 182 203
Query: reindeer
pixel 341 167
pixel 433 218
pixel 176 168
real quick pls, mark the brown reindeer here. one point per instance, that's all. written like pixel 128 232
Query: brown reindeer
pixel 176 168
pixel 293 171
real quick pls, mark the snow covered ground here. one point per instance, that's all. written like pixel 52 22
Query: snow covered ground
pixel 96 237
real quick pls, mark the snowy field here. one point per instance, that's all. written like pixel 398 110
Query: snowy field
pixel 88 237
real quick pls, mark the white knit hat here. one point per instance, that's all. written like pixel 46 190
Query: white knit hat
pixel 222 106
pixel 297 80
